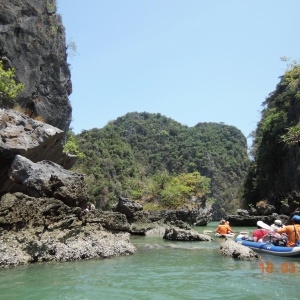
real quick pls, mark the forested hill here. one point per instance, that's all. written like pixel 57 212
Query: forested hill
pixel 121 157
pixel 274 174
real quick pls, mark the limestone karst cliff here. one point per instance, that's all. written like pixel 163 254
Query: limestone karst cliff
pixel 32 41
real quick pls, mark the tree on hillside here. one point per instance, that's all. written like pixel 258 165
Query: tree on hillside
pixel 147 156
pixel 274 171
pixel 9 88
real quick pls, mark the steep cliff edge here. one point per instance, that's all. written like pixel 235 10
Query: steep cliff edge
pixel 32 40
pixel 274 173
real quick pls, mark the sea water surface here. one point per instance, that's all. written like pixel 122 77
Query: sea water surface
pixel 160 269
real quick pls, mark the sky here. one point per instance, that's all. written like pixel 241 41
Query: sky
pixel 190 60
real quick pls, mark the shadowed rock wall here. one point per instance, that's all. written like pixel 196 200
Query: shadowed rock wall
pixel 32 40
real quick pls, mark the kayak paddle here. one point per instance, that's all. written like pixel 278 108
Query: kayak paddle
pixel 264 225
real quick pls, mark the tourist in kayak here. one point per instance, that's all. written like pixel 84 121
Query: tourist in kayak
pixel 277 224
pixel 224 228
pixel 293 231
pixel 230 229
pixel 259 233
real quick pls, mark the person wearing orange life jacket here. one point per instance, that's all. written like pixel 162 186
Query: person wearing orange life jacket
pixel 223 228
pixel 230 230
pixel 293 231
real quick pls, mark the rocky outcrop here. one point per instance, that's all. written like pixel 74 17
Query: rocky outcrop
pixel 24 247
pixel 109 220
pixel 142 221
pixel 238 251
pixel 247 220
pixel 32 139
pixel 45 229
pixel 128 207
pixel 134 212
pixel 265 213
pixel 179 234
pixel 203 214
pixel 51 226
pixel 19 211
pixel 32 41
pixel 47 179
pixel 193 216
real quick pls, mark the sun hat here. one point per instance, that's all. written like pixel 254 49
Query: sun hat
pixel 278 222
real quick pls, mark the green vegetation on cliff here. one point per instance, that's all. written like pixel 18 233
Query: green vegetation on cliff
pixel 9 88
pixel 158 161
pixel 274 172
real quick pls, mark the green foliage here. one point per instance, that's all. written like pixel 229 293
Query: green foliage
pixel 273 173
pixel 179 190
pixel 9 89
pixel 273 121
pixel 51 6
pixel 71 146
pixel 150 158
pixel 171 191
pixel 292 135
pixel 109 164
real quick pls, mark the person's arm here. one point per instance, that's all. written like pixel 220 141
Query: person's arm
pixel 281 230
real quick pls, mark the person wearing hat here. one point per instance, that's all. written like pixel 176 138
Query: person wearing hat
pixel 293 231
pixel 277 224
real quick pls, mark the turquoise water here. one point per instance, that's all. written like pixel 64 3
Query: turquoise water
pixel 159 270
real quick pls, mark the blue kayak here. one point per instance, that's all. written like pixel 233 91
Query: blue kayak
pixel 270 248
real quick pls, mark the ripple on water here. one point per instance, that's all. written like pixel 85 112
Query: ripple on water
pixel 161 270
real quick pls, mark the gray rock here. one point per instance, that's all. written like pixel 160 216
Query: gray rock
pixel 238 251
pixel 109 220
pixel 202 215
pixel 128 207
pixel 141 228
pixel 179 224
pixel 32 139
pixel 265 210
pixel 242 212
pixel 33 42
pixel 195 216
pixel 24 247
pixel 19 211
pixel 178 234
pixel 45 229
pixel 158 230
pixel 249 220
pixel 252 211
pixel 47 179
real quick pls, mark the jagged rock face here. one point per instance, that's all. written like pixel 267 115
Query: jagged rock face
pixel 179 234
pixel 195 216
pixel 34 140
pixel 32 41
pixel 247 220
pixel 47 179
pixel 45 229
pixel 19 211
pixel 128 207
pixel 238 251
